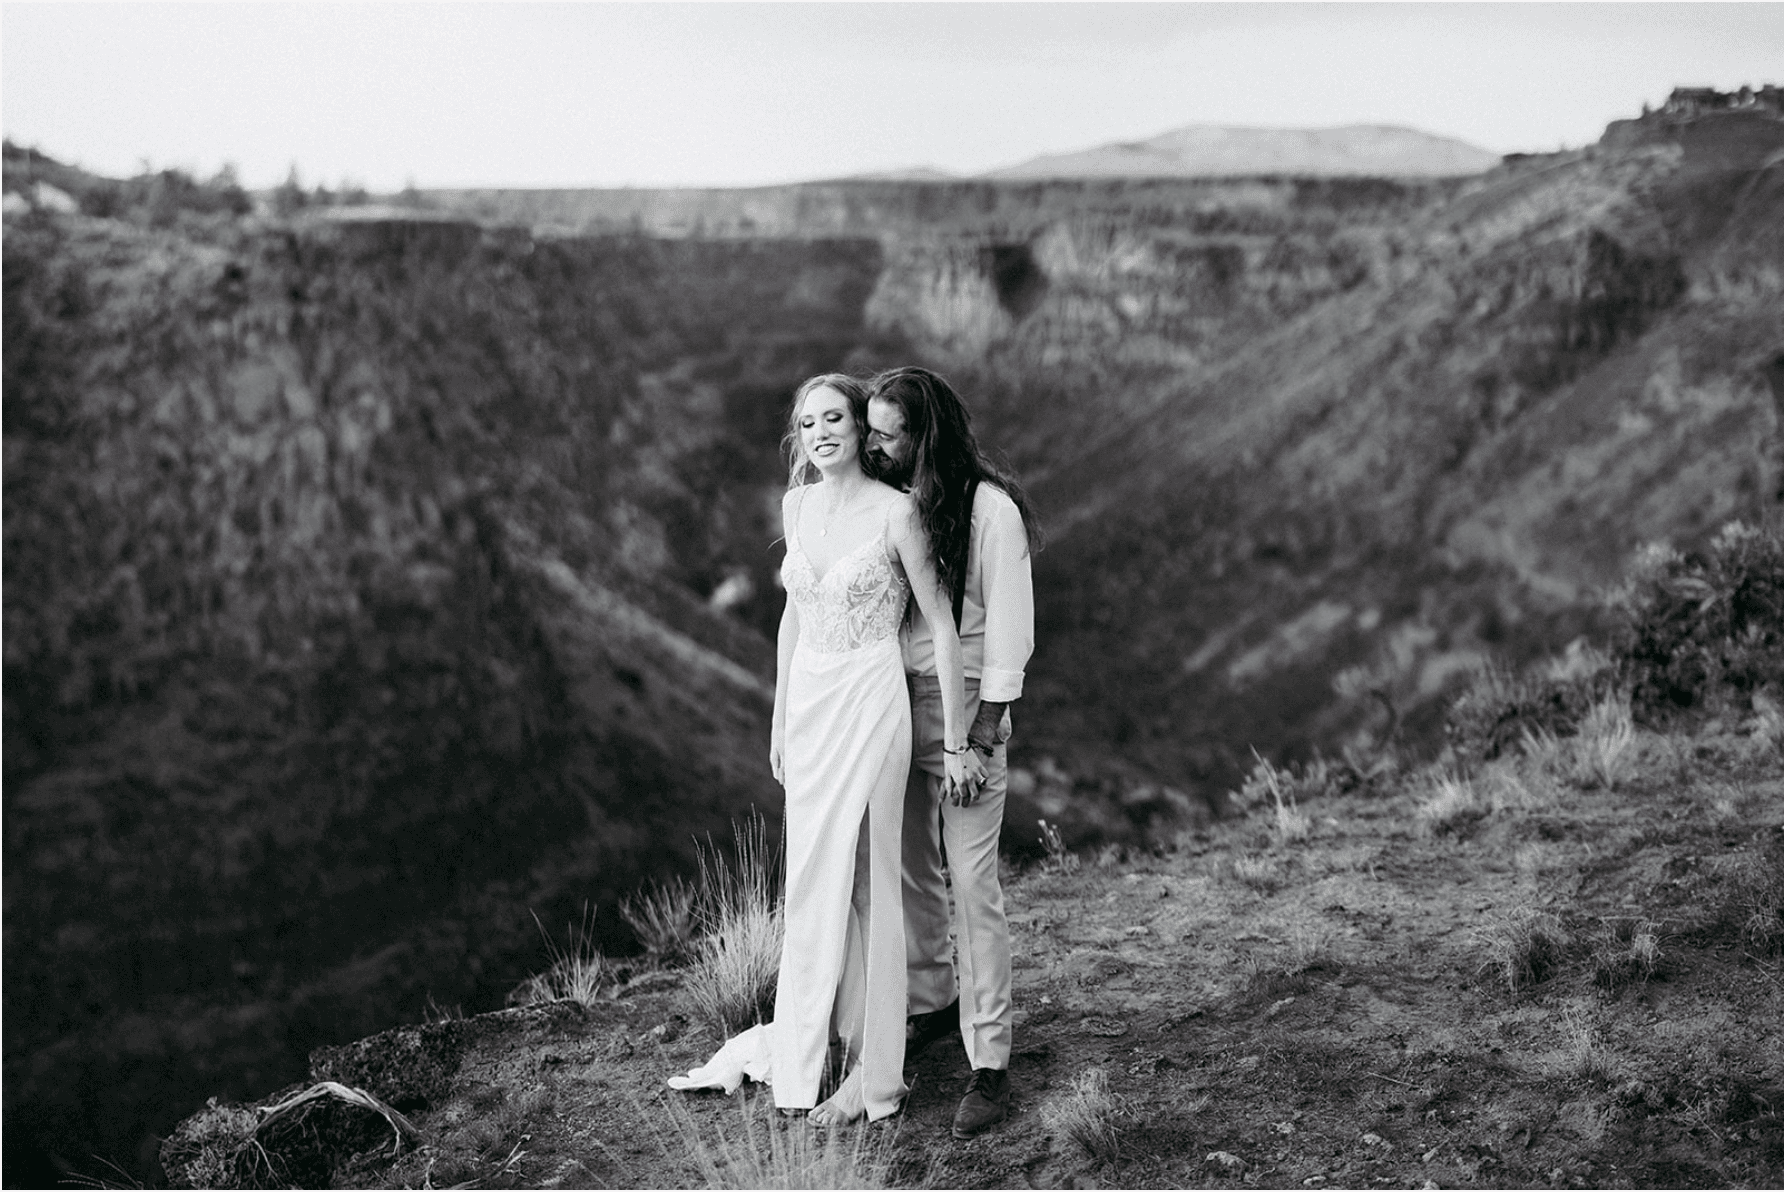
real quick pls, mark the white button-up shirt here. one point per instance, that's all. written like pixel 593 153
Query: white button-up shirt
pixel 997 614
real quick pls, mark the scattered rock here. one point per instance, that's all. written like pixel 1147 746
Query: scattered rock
pixel 1148 1063
pixel 1285 1127
pixel 1095 967
pixel 1377 1141
pixel 410 1067
pixel 1227 1160
pixel 668 1030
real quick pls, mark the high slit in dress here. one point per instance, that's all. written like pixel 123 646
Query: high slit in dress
pixel 845 758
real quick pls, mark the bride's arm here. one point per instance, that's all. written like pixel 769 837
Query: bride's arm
pixel 911 546
pixel 785 640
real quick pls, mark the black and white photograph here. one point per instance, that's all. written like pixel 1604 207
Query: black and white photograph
pixel 879 595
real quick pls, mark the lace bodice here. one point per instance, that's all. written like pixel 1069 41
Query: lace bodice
pixel 858 602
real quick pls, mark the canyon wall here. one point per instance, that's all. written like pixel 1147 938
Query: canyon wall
pixel 377 580
pixel 359 608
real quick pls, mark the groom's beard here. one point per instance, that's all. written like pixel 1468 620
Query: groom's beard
pixel 884 468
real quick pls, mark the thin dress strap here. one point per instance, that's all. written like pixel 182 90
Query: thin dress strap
pixel 798 512
pixel 886 530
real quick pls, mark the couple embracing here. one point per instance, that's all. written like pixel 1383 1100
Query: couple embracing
pixel 909 621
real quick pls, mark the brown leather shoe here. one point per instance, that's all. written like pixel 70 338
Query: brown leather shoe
pixel 924 1029
pixel 987 1102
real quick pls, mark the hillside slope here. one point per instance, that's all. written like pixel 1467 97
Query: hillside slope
pixel 1302 466
pixel 351 622
pixel 1549 984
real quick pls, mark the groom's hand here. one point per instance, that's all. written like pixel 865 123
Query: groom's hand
pixel 974 770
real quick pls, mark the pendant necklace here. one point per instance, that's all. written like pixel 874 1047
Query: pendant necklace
pixel 836 506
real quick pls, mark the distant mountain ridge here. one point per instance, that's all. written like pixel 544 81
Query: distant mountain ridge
pixel 1211 151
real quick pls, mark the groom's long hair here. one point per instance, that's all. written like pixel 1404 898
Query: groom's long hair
pixel 947 468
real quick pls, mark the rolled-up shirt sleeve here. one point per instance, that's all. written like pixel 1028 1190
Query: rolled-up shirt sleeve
pixel 1007 587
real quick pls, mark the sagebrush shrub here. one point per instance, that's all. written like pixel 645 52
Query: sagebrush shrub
pixel 1694 627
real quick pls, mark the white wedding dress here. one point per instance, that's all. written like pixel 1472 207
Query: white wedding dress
pixel 845 758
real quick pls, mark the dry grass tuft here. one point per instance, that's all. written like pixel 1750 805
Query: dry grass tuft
pixel 1452 807
pixel 1627 952
pixel 1259 873
pixel 1603 753
pixel 577 973
pixel 1525 945
pixel 1292 824
pixel 1583 1055
pixel 1756 901
pixel 1544 753
pixel 730 984
pixel 1503 786
pixel 768 1151
pixel 1309 948
pixel 1087 1117
pixel 1059 858
pixel 663 917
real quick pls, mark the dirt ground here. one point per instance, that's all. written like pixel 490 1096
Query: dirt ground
pixel 1266 1012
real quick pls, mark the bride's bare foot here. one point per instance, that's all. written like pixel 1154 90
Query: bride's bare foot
pixel 845 1106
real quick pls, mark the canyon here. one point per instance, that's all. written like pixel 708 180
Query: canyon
pixel 385 582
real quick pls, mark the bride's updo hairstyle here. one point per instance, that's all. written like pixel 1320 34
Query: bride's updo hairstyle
pixel 801 470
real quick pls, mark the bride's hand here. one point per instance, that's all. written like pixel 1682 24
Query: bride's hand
pixel 954 769
pixel 775 764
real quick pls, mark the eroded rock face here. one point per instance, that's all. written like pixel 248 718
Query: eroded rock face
pixel 355 608
pixel 359 578
pixel 353 1120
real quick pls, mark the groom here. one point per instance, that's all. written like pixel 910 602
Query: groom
pixel 921 439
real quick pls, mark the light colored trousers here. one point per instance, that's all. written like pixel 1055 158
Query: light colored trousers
pixel 982 935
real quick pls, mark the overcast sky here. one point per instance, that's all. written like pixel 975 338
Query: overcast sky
pixel 592 94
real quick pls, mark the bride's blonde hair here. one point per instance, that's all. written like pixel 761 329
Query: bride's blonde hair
pixel 800 469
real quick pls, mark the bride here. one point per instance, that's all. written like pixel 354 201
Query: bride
pixel 841 746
